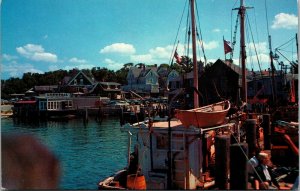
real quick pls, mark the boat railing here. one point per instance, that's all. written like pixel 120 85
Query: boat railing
pixel 50 95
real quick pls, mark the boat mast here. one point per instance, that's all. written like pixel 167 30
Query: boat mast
pixel 242 11
pixel 297 47
pixel 273 74
pixel 195 66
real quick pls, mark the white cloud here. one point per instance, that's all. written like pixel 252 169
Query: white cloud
pixel 216 30
pixel 80 66
pixel 112 65
pixel 285 21
pixel 53 68
pixel 210 45
pixel 161 52
pixel 261 47
pixel 15 69
pixel 76 60
pixel 9 57
pixel 144 58
pixel 36 53
pixel 45 36
pixel 164 54
pixel 118 48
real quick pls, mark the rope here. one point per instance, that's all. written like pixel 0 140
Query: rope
pixel 259 65
pixel 234 36
pixel 172 54
pixel 201 42
pixel 267 18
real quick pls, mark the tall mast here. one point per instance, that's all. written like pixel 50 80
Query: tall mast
pixel 195 66
pixel 242 11
pixel 297 47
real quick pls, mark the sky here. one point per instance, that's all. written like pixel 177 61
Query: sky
pixel 39 36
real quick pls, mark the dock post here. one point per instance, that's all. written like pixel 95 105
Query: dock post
pixel 267 131
pixel 251 134
pixel 86 116
pixel 238 166
pixel 222 161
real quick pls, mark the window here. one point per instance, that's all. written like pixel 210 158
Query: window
pixel 75 82
pixel 162 141
pixel 81 81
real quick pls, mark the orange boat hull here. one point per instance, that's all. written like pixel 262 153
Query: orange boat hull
pixel 203 117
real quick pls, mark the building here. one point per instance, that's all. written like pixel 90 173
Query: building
pixel 143 81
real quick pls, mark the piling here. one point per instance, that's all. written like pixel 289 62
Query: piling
pixel 86 116
pixel 238 166
pixel 267 131
pixel 251 134
pixel 222 161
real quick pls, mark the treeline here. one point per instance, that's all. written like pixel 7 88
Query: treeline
pixel 29 80
pixel 15 85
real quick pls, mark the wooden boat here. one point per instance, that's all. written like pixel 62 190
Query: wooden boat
pixel 206 116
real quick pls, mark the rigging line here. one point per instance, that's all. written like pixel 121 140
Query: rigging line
pixel 201 45
pixel 234 36
pixel 198 49
pixel 259 65
pixel 289 41
pixel 232 9
pixel 201 42
pixel 256 26
pixel 187 34
pixel 248 47
pixel 178 31
pixel 267 17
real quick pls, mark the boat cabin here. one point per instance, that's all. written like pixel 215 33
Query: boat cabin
pixel 188 158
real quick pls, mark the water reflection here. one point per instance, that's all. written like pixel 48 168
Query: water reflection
pixel 87 153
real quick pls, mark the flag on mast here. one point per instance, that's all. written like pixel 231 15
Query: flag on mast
pixel 227 46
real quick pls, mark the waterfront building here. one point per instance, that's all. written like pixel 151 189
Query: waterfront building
pixel 142 80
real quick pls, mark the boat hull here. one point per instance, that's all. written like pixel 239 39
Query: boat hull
pixel 203 117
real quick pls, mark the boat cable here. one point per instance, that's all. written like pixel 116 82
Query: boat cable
pixel 267 20
pixel 200 38
pixel 254 46
pixel 187 35
pixel 173 50
pixel 233 38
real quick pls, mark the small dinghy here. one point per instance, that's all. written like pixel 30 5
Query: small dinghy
pixel 206 116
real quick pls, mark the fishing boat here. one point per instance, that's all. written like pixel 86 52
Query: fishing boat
pixel 189 150
pixel 206 116
pixel 170 154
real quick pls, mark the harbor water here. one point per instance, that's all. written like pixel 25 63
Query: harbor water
pixel 87 152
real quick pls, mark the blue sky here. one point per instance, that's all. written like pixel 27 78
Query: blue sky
pixel 44 35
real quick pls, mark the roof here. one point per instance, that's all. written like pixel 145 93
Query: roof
pixel 45 88
pixel 80 72
pixel 110 83
pixel 26 102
